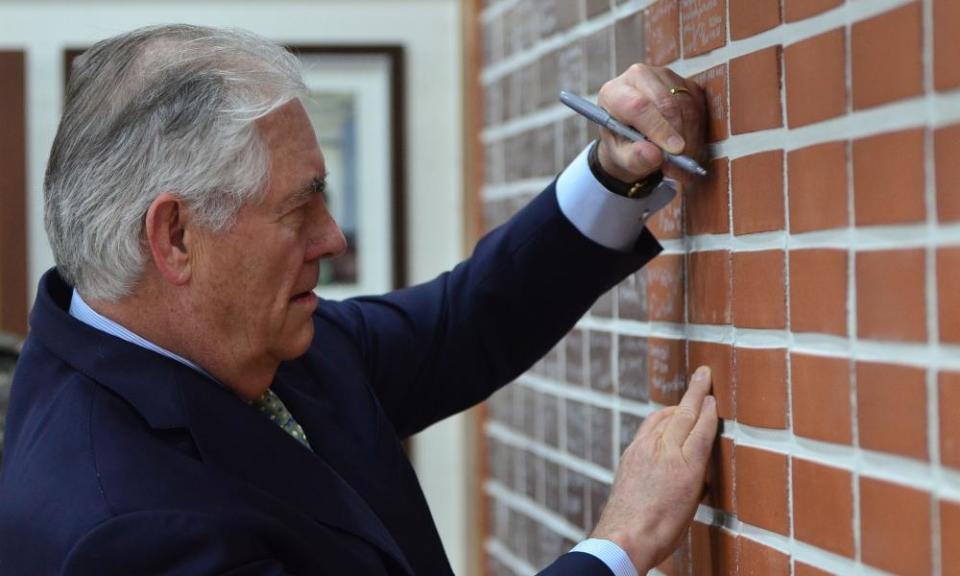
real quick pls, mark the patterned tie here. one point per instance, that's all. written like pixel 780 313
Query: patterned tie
pixel 271 405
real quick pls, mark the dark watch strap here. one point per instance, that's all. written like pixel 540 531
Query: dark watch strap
pixel 636 190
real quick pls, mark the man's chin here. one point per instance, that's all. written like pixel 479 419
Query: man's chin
pixel 296 345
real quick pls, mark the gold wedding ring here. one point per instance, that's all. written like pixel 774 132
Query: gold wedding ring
pixel 675 91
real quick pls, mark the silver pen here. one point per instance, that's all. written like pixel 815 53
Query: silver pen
pixel 600 116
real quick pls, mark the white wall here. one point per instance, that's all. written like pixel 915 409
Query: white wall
pixel 430 32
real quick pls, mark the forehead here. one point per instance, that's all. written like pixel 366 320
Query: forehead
pixel 295 157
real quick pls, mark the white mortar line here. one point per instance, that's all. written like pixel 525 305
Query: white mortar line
pixel 789 545
pixel 533 510
pixel 897 469
pixel 931 296
pixel 615 377
pixel 928 354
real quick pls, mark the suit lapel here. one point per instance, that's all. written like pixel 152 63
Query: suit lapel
pixel 236 438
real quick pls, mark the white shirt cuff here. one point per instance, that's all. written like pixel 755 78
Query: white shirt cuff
pixel 610 554
pixel 611 220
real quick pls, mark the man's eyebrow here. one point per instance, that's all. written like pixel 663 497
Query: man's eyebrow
pixel 317 185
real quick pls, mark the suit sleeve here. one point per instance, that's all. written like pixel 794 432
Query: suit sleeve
pixel 437 348
pixel 168 543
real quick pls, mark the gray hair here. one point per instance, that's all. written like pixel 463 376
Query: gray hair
pixel 159 109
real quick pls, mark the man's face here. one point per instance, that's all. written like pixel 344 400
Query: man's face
pixel 255 281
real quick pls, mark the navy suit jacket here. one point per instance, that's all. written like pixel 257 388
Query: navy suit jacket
pixel 122 461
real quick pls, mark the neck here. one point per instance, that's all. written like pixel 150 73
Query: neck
pixel 156 319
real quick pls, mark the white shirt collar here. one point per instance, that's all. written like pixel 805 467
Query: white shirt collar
pixel 84 313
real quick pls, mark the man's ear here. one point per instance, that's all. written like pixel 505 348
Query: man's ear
pixel 166 231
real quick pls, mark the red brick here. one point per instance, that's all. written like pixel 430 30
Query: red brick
pixel 801 569
pixel 761 377
pixel 632 296
pixel 823 506
pixel 818 291
pixel 628 43
pixel 749 17
pixel 821 398
pixel 794 10
pixel 888 178
pixel 946 145
pixel 713 550
pixel 946 44
pixel 759 289
pixel 668 221
pixel 949 536
pixel 707 203
pixel 755 91
pixel 678 563
pixel 714 84
pixel 600 62
pixel 891 295
pixel 661 23
pixel 664 277
pixel 949 407
pixel 600 369
pixel 575 363
pixel 761 488
pixel 719 357
pixel 816 78
pixel 597 7
pixel 758 192
pixel 720 493
pixel 709 287
pixel 887 54
pixel 892 409
pixel 817 187
pixel 632 368
pixel 948 293
pixel 755 559
pixel 666 363
pixel 704 25
pixel 895 527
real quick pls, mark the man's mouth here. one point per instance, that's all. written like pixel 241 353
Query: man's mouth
pixel 305 296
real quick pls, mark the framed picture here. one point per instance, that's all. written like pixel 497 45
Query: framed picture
pixel 356 104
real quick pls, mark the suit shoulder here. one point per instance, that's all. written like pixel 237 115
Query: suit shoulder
pixel 49 480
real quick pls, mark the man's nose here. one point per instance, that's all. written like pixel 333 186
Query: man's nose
pixel 326 239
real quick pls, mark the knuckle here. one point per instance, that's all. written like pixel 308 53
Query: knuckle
pixel 669 106
pixel 607 90
pixel 685 412
pixel 636 105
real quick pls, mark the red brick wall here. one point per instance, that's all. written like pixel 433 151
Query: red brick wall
pixel 817 271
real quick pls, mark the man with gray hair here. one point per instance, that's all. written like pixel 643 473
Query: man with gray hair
pixel 185 404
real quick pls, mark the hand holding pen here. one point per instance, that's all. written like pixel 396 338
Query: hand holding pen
pixel 651 119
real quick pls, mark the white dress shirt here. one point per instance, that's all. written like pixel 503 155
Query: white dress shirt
pixel 608 219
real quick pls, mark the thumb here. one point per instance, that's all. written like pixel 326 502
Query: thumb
pixel 699 443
